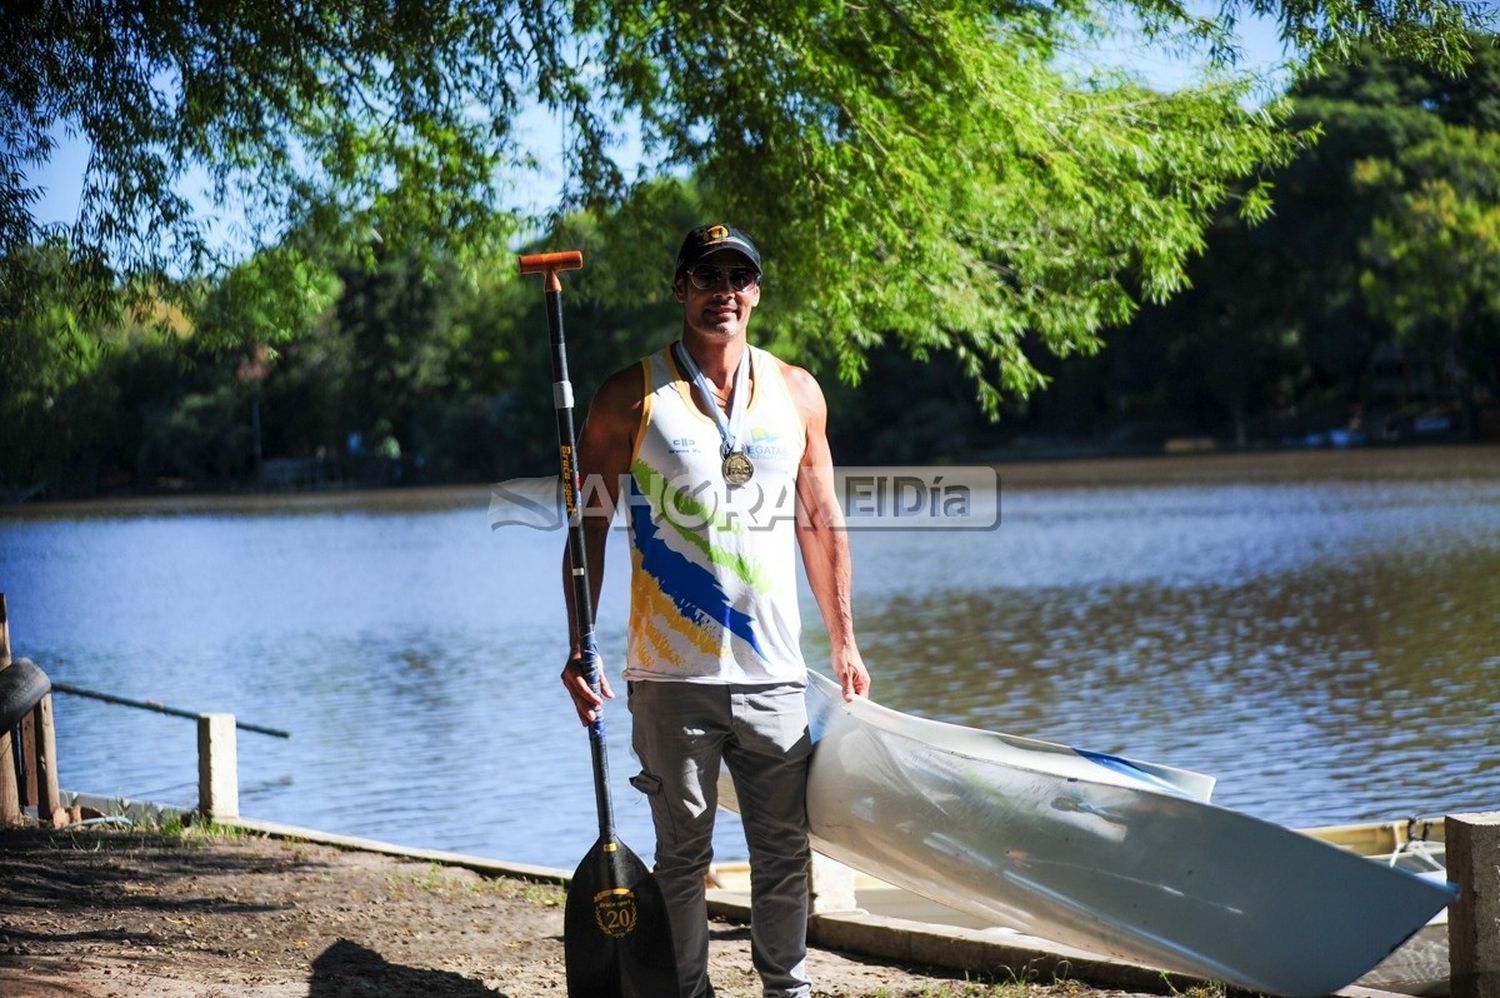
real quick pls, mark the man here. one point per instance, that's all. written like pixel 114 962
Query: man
pixel 724 454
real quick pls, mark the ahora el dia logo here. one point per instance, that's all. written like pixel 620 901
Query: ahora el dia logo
pixel 920 498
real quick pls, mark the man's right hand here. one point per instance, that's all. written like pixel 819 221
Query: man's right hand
pixel 575 679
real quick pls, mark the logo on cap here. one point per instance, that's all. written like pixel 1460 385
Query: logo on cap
pixel 706 239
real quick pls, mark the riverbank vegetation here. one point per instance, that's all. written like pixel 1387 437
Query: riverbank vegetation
pixel 981 253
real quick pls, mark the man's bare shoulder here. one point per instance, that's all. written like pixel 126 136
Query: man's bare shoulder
pixel 621 394
pixel 806 391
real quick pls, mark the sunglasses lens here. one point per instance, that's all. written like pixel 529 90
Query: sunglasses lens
pixel 706 278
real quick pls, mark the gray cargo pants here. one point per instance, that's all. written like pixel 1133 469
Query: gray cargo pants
pixel 680 732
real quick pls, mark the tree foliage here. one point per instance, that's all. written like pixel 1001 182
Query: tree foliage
pixel 918 172
pixel 1379 237
pixel 1383 231
pixel 1433 250
pixel 66 387
pixel 1405 165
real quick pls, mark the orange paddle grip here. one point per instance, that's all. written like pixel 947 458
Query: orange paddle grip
pixel 550 263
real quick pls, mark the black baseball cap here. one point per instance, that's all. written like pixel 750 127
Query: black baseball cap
pixel 706 239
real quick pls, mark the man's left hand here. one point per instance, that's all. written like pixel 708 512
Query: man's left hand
pixel 851 672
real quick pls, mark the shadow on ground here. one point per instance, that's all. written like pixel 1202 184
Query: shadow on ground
pixel 347 969
pixel 104 872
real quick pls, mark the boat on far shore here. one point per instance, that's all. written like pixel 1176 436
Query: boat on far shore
pixel 1416 845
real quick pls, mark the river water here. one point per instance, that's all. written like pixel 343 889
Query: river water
pixel 1321 631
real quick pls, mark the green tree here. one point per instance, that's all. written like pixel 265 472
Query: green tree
pixel 1289 314
pixel 1226 349
pixel 1433 253
pixel 394 322
pixel 72 401
pixel 918 172
pixel 1372 107
pixel 275 296
pixel 46 353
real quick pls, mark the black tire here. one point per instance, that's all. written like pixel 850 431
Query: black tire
pixel 22 686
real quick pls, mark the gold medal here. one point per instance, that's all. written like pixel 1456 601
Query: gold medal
pixel 738 468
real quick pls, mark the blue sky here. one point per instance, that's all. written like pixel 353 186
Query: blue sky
pixel 62 177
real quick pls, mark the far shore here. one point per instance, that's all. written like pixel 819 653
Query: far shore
pixel 1217 467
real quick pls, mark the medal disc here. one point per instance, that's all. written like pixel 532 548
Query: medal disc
pixel 738 468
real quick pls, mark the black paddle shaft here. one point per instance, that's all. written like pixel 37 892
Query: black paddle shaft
pixel 617 936
pixel 567 448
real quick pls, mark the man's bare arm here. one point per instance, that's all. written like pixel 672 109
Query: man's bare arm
pixel 604 447
pixel 822 537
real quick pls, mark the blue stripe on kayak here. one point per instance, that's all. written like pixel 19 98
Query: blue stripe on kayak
pixel 1131 770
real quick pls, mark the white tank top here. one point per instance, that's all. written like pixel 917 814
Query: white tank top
pixel 713 593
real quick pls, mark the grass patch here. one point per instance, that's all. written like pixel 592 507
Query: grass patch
pixel 1208 989
pixel 440 879
pixel 1011 986
pixel 967 989
pixel 212 831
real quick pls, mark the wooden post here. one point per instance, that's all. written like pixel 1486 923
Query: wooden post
pixel 1473 845
pixel 43 769
pixel 25 739
pixel 218 775
pixel 10 797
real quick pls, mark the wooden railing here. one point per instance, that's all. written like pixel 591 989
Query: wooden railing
pixel 28 754
pixel 28 750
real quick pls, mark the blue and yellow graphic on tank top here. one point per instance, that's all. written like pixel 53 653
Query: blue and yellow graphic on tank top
pixel 693 593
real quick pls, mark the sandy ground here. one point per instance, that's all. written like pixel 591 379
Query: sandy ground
pixel 100 914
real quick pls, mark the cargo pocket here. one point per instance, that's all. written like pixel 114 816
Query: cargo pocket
pixel 646 783
pixel 650 785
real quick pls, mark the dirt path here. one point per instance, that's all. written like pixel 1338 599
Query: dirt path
pixel 103 914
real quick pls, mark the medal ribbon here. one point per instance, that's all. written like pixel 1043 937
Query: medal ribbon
pixel 729 428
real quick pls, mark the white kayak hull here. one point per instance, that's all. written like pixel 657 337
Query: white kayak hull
pixel 1110 855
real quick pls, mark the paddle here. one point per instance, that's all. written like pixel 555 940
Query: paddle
pixel 616 939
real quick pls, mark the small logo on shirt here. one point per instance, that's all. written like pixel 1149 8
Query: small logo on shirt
pixel 684 445
pixel 766 443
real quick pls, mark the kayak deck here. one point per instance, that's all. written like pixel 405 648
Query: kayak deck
pixel 1105 854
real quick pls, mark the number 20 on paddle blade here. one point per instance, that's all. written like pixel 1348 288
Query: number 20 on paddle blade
pixel 616 937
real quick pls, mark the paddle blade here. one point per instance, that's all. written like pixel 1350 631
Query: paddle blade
pixel 616 938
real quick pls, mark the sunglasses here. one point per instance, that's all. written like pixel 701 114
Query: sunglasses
pixel 706 278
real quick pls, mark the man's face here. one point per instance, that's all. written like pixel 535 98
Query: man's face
pixel 719 311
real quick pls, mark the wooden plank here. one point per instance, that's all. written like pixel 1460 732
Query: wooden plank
pixel 1378 838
